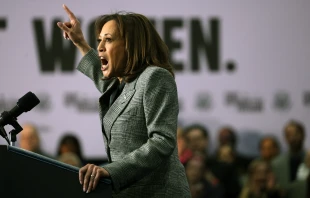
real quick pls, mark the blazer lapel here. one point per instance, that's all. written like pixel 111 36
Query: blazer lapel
pixel 118 106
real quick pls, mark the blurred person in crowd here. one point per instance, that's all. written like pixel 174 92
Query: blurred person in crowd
pixel 138 107
pixel 29 139
pixel 261 182
pixel 269 148
pixel 226 154
pixel 70 143
pixel 286 165
pixel 183 151
pixel 304 168
pixel 226 135
pixel 224 168
pixel 201 181
pixel 70 158
pixel 197 137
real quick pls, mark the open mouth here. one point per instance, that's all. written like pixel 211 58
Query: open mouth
pixel 104 61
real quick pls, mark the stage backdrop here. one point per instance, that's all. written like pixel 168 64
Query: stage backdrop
pixel 241 63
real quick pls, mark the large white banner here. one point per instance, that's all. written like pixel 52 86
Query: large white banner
pixel 241 63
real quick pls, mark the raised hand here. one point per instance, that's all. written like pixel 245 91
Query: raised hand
pixel 72 30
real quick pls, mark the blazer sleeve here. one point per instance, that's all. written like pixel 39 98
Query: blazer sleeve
pixel 160 103
pixel 90 65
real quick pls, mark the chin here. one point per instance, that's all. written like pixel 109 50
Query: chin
pixel 105 74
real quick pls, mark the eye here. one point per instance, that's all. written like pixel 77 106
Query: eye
pixel 108 40
pixel 98 40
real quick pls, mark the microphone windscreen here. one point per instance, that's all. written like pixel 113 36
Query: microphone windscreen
pixel 28 101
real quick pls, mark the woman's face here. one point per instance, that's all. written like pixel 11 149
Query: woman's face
pixel 260 175
pixel 111 50
pixel 194 170
pixel 268 149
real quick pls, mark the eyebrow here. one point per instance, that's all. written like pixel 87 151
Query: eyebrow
pixel 106 34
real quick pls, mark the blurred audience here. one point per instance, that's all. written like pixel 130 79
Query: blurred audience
pixel 228 136
pixel 69 143
pixel 261 182
pixel 197 137
pixel 183 151
pixel 286 165
pixel 71 159
pixel 269 148
pixel 226 173
pixel 227 163
pixel 224 168
pixel 29 139
pixel 304 168
pixel 201 181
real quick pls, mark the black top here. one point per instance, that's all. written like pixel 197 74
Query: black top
pixel 116 93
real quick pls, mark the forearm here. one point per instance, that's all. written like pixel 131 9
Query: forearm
pixel 83 48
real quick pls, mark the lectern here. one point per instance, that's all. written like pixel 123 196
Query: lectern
pixel 26 174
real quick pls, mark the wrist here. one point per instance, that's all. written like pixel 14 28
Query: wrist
pixel 83 47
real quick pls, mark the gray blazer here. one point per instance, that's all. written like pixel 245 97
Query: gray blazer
pixel 139 132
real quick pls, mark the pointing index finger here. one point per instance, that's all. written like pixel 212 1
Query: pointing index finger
pixel 70 14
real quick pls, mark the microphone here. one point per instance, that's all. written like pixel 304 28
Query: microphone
pixel 24 104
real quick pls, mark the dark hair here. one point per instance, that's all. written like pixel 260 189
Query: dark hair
pixel 269 137
pixel 299 126
pixel 70 138
pixel 233 136
pixel 143 44
pixel 200 127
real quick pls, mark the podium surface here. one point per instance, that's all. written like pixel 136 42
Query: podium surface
pixel 26 174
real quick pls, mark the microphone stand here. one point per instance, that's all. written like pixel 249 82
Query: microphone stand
pixel 14 132
pixel 13 122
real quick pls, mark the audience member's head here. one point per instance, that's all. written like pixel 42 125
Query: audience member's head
pixel 226 154
pixel 259 173
pixel 197 137
pixel 71 159
pixel 69 143
pixel 269 148
pixel 294 133
pixel 227 136
pixel 29 138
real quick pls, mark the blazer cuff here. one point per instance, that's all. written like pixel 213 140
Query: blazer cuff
pixel 115 178
pixel 88 60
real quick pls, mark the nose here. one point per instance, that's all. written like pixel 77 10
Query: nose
pixel 101 47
